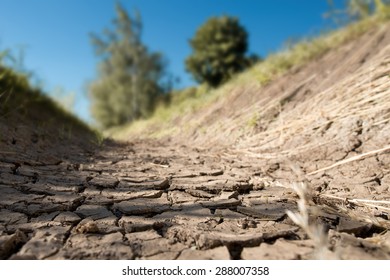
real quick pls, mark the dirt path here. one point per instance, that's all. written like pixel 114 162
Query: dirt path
pixel 150 200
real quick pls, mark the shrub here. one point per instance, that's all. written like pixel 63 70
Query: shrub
pixel 219 48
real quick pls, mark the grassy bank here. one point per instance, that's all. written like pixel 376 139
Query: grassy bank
pixel 165 119
pixel 21 103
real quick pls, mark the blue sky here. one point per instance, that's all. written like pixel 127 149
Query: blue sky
pixel 54 34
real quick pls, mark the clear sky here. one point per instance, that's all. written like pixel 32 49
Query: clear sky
pixel 54 34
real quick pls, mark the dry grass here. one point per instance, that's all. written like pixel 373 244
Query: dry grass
pixel 20 102
pixel 312 117
pixel 165 119
pixel 351 159
pixel 314 231
pixel 364 210
pixel 368 204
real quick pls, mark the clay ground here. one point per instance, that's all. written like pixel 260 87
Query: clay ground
pixel 221 189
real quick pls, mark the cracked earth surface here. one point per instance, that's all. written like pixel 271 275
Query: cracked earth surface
pixel 216 194
pixel 147 200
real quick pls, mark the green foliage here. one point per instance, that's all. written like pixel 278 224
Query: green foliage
pixel 383 8
pixel 130 79
pixel 9 79
pixel 359 9
pixel 219 48
pixel 252 122
pixel 11 83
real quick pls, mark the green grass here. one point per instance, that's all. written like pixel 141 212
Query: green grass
pixel 252 122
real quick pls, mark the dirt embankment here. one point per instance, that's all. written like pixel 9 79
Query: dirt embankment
pixel 219 190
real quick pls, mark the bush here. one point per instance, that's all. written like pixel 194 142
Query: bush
pixel 219 48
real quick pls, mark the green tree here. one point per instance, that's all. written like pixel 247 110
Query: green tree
pixel 130 77
pixel 219 48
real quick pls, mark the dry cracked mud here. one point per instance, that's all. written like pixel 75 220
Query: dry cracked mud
pixel 222 193
pixel 149 200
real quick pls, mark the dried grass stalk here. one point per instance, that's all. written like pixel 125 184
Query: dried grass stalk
pixel 315 232
pixel 358 157
pixel 362 202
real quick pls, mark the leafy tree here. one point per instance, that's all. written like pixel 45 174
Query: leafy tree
pixel 219 48
pixel 131 77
